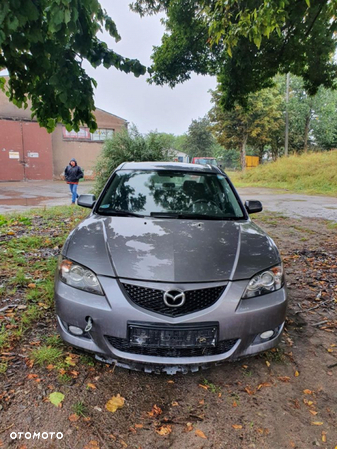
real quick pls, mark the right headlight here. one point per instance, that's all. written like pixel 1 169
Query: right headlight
pixel 80 277
pixel 265 282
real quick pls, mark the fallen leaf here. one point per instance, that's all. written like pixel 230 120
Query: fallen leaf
pixel 267 363
pixel 324 436
pixel 164 430
pixel 74 417
pixel 189 427
pixel 92 386
pixel 139 426
pixel 205 387
pixel 32 376
pixel 115 403
pixel 202 402
pixel 236 426
pixel 265 384
pixel 31 285
pixel 92 445
pixel 307 391
pixel 155 411
pixel 313 412
pixel 297 373
pixel 174 404
pixel 50 367
pixel 284 378
pixel 249 391
pixel 234 404
pixel 200 433
pixel 70 361
pixel 56 398
pixel 317 423
pixel 170 381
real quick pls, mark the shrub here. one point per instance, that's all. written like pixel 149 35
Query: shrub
pixel 126 146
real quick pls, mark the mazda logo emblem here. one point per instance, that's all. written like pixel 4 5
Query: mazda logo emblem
pixel 174 298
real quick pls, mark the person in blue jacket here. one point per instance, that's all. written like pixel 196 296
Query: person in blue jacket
pixel 72 174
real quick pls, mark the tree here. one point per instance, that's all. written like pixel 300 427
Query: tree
pixel 258 125
pixel 324 120
pixel 127 146
pixel 199 139
pixel 245 43
pixel 312 120
pixel 43 45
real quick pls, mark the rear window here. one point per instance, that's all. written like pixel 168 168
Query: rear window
pixel 171 193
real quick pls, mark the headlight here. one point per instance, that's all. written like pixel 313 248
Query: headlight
pixel 77 276
pixel 265 282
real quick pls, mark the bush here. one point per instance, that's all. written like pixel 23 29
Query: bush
pixel 126 146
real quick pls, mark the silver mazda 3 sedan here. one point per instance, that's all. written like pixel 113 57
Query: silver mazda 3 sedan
pixel 168 272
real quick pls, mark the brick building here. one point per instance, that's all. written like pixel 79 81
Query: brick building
pixel 29 152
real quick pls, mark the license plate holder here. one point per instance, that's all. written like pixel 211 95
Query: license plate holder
pixel 179 336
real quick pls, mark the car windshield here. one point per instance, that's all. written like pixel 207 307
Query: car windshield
pixel 170 194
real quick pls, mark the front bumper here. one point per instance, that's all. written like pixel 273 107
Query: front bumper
pixel 239 322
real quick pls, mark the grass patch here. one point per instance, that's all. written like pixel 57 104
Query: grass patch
pixel 312 173
pixel 80 409
pixel 28 259
pixel 3 367
pixel 211 387
pixel 46 355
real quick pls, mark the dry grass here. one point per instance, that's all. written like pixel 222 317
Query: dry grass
pixel 313 173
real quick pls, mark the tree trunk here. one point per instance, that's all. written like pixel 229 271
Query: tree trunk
pixel 306 131
pixel 243 151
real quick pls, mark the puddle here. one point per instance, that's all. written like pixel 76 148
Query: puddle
pixel 36 201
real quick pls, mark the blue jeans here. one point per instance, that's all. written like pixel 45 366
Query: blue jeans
pixel 73 190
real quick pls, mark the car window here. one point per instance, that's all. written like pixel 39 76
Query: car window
pixel 170 192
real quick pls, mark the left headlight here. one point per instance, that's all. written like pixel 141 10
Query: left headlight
pixel 80 277
pixel 265 282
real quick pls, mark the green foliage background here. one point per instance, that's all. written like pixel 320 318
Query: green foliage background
pixel 127 146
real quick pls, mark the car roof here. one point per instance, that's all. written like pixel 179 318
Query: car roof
pixel 168 166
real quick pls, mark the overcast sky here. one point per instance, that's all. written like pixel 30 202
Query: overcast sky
pixel 149 107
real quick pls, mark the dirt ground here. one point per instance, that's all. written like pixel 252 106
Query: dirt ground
pixel 285 398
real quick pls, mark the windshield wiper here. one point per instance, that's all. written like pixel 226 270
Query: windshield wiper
pixel 164 214
pixel 203 217
pixel 119 213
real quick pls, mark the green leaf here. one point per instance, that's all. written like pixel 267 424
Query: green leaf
pixel 56 398
pixel 67 16
pixel 308 3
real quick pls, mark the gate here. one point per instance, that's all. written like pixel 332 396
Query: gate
pixel 25 151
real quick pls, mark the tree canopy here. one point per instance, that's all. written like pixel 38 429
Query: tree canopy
pixel 245 43
pixel 199 139
pixel 43 45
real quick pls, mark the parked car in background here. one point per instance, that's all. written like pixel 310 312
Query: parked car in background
pixel 204 160
pixel 168 272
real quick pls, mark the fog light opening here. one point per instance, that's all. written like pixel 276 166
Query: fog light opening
pixel 267 335
pixel 75 330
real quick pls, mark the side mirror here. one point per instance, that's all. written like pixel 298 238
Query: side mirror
pixel 253 206
pixel 86 201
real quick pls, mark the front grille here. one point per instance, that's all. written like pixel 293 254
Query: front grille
pixel 123 345
pixel 153 299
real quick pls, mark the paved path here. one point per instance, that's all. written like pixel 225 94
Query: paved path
pixel 20 196
pixel 292 204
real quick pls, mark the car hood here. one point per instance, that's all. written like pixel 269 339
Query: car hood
pixel 171 250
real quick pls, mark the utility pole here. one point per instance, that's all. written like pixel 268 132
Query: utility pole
pixel 286 138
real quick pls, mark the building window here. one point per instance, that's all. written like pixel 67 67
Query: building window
pixel 84 134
